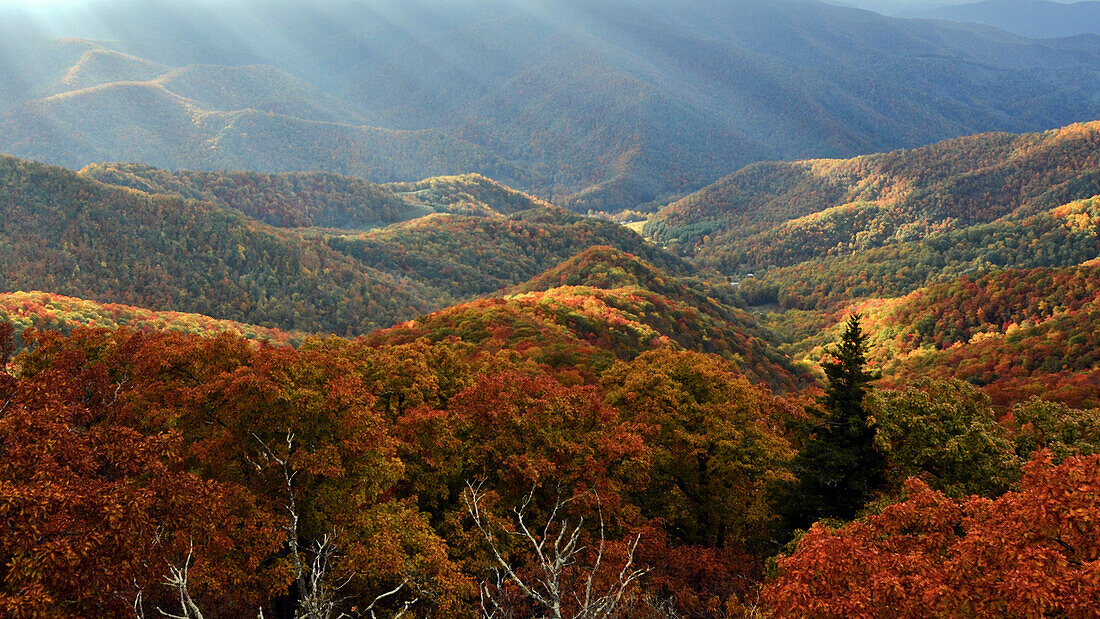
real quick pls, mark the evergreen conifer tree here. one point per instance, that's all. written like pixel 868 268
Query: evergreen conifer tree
pixel 838 467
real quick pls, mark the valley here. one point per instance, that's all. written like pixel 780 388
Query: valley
pixel 610 107
pixel 617 309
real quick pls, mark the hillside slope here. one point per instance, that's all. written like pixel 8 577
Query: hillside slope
pixel 605 105
pixel 299 200
pixel 1038 19
pixel 1016 333
pixel 815 233
pixel 462 256
pixel 193 245
pixel 600 306
pixel 73 236
pixel 45 311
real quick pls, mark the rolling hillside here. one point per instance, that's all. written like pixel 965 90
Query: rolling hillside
pixel 821 232
pixel 45 311
pixel 1016 333
pixel 556 281
pixel 1038 19
pixel 971 259
pixel 601 306
pixel 612 105
pixel 298 200
pixel 198 242
pixel 464 256
pixel 74 236
pixel 304 350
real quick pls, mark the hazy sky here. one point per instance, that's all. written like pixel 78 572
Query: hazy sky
pixel 36 2
pixel 883 6
pixel 895 4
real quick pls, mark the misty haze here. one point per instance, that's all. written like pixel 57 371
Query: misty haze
pixel 549 308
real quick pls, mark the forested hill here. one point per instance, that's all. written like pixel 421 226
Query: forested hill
pixel 68 234
pixel 605 105
pixel 462 256
pixel 971 259
pixel 821 232
pixel 604 305
pixel 74 236
pixel 309 199
pixel 283 200
pixel 50 312
pixel 1016 333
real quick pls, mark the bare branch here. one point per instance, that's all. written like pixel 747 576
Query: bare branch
pixel 472 497
pixel 177 579
pixel 555 549
pixel 289 474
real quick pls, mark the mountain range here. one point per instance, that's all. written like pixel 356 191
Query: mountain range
pixel 605 106
pixel 489 332
pixel 906 238
pixel 972 258
pixel 819 232
pixel 298 315
pixel 1037 19
pixel 266 249
pixel 551 281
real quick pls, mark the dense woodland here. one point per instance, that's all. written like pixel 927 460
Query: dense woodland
pixel 284 201
pixel 146 469
pixel 166 251
pixel 311 199
pixel 50 312
pixel 778 216
pixel 447 398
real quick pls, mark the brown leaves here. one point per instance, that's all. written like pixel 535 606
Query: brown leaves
pixel 87 513
pixel 1030 553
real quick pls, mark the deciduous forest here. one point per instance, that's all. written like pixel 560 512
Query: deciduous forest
pixel 508 309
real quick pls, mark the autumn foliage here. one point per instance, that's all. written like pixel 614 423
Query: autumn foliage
pixel 126 452
pixel 1034 552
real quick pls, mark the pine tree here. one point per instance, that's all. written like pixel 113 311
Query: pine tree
pixel 838 468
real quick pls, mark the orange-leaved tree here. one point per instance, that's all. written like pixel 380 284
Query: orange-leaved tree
pixel 1030 553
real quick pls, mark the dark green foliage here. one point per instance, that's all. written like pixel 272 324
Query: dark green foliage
pixel 1063 430
pixel 74 236
pixel 838 468
pixel 7 343
pixel 282 200
pixel 70 235
pixel 946 433
pixel 463 256
pixel 469 194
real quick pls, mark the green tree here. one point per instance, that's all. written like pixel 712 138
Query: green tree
pixel 946 433
pixel 715 445
pixel 838 468
pixel 1053 426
